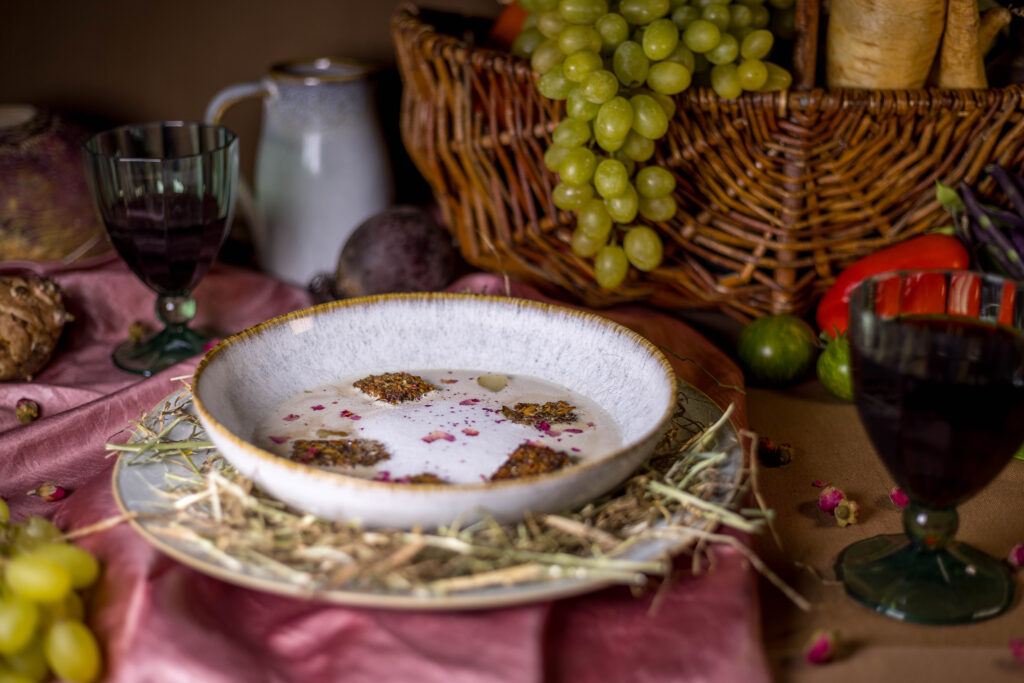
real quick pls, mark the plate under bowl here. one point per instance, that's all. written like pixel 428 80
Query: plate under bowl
pixel 249 374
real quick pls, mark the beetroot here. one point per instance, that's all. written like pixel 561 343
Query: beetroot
pixel 401 249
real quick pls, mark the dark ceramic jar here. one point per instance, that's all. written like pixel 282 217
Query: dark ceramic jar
pixel 46 212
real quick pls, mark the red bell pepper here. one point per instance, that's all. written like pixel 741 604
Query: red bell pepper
pixel 922 252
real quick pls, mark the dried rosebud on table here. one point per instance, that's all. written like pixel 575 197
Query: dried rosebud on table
pixel 49 491
pixel 898 498
pixel 822 647
pixel 1017 649
pixel 829 498
pixel 1016 556
pixel 771 455
pixel 26 410
pixel 847 512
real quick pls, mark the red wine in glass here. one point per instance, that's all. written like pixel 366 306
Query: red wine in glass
pixel 940 390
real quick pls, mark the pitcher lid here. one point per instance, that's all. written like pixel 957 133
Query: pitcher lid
pixel 322 70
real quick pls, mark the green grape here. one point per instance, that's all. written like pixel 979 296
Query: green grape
pixel 657 209
pixel 551 24
pixel 29 661
pixel 570 197
pixel 643 248
pixel 546 56
pixel 582 11
pixel 578 65
pixel 571 133
pixel 778 78
pixel 725 52
pixel 584 245
pixel 526 42
pixel 594 221
pixel 700 36
pixel 72 651
pixel 611 178
pixel 623 207
pixel 620 156
pixel 575 38
pixel 80 564
pixel 660 39
pixel 33 531
pixel 37 578
pixel 704 3
pixel 725 81
pixel 753 74
pixel 740 16
pixel 577 106
pixel 600 86
pixel 718 15
pixel 682 55
pixel 610 266
pixel 554 156
pixel 654 181
pixel 578 166
pixel 607 143
pixel 538 5
pixel 640 12
pixel 760 16
pixel 757 44
pixel 668 78
pixel 672 4
pixel 5 512
pixel 10 676
pixel 613 29
pixel 668 105
pixel 684 15
pixel 613 120
pixel 740 34
pixel 553 84
pixel 649 118
pixel 18 620
pixel 630 64
pixel 638 147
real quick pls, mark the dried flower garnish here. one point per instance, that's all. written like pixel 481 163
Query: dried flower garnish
pixel 537 413
pixel 317 407
pixel 49 491
pixel 394 387
pixel 847 512
pixel 771 454
pixel 529 459
pixel 819 484
pixel 1016 556
pixel 290 417
pixel 350 415
pixel 339 452
pixel 278 439
pixel 1017 649
pixel 437 434
pixel 822 646
pixel 324 433
pixel 469 431
pixel 898 498
pixel 829 498
pixel 26 410
pixel 426 478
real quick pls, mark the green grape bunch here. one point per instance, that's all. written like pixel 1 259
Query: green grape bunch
pixel 617 65
pixel 42 627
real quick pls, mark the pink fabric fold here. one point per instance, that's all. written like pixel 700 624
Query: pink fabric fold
pixel 161 621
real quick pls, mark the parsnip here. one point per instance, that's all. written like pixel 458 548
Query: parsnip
pixel 882 44
pixel 961 63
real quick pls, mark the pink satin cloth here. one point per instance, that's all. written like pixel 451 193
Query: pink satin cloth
pixel 160 621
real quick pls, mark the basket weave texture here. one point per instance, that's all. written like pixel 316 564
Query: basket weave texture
pixel 776 191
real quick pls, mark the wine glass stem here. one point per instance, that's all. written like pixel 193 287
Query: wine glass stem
pixel 930 529
pixel 175 311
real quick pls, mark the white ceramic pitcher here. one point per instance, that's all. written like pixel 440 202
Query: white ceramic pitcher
pixel 322 165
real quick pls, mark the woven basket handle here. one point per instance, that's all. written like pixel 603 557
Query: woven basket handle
pixel 805 50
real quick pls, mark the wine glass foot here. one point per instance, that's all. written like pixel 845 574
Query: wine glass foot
pixel 953 585
pixel 168 347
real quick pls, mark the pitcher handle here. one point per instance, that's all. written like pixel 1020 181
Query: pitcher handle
pixel 215 110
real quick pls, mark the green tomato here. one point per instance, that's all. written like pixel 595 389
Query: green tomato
pixel 777 349
pixel 834 367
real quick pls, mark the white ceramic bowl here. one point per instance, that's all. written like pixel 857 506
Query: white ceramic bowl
pixel 249 374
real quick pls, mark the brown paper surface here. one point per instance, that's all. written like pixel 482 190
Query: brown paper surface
pixel 830 445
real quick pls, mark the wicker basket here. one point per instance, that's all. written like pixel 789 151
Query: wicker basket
pixel 776 191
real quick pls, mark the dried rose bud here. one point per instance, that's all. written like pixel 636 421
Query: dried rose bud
pixel 26 410
pixel 49 491
pixel 829 498
pixel 772 455
pixel 819 484
pixel 1017 649
pixel 1016 556
pixel 822 647
pixel 847 512
pixel 898 498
